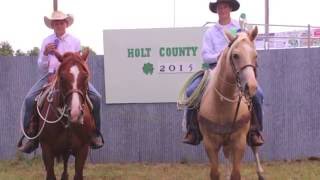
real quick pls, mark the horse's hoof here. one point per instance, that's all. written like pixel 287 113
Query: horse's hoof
pixel 64 176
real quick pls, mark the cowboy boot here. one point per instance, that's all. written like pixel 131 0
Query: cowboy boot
pixel 31 144
pixel 254 137
pixel 97 140
pixel 193 135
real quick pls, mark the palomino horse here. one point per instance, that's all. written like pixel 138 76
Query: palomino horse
pixel 224 112
pixel 65 119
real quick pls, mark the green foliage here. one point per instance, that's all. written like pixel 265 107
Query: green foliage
pixel 91 52
pixel 19 52
pixel 6 49
pixel 33 52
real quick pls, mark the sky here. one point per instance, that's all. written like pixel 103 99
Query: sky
pixel 23 27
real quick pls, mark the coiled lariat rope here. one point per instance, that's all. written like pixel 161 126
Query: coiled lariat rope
pixel 192 102
pixel 44 118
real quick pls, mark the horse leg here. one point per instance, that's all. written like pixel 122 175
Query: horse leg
pixel 238 150
pixel 226 152
pixel 212 152
pixel 80 160
pixel 65 167
pixel 48 160
pixel 258 164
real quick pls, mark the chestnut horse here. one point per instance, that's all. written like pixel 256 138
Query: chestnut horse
pixel 224 114
pixel 65 116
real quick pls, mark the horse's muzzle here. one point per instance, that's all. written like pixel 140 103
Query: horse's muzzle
pixel 248 82
pixel 76 115
pixel 250 89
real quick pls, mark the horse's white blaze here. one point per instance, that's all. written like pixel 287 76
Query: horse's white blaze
pixel 75 101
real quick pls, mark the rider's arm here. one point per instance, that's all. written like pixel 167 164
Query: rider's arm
pixel 209 52
pixel 43 60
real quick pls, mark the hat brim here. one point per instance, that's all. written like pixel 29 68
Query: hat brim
pixel 233 4
pixel 68 18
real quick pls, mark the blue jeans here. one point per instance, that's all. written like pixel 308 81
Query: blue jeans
pixel 257 102
pixel 29 102
pixel 95 98
pixel 195 83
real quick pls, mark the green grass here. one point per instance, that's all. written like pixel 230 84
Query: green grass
pixel 33 169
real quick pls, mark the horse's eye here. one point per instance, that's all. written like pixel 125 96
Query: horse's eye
pixel 235 56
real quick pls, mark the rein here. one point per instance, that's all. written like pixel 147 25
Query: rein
pixel 236 72
pixel 70 92
pixel 61 111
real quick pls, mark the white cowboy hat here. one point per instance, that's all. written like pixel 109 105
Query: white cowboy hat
pixel 58 15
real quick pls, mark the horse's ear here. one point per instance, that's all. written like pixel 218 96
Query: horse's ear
pixel 85 53
pixel 58 56
pixel 253 33
pixel 229 36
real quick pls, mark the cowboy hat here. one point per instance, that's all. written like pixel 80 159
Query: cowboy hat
pixel 234 4
pixel 58 15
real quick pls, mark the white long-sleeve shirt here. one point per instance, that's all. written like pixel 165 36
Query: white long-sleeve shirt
pixel 67 43
pixel 214 41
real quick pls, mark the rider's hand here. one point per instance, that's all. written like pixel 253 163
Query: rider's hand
pixel 49 49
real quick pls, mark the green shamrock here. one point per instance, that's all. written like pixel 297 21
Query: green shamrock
pixel 147 68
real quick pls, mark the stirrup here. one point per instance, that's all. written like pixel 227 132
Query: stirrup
pixel 192 139
pixel 29 146
pixel 94 145
pixel 254 138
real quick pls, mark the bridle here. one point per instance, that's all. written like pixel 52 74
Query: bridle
pixel 65 97
pixel 237 70
pixel 77 91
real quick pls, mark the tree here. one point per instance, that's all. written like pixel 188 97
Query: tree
pixel 19 52
pixel 91 52
pixel 33 52
pixel 6 49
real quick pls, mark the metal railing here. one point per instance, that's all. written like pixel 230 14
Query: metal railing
pixel 271 37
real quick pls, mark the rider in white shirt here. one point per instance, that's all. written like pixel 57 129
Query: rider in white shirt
pixel 48 63
pixel 214 42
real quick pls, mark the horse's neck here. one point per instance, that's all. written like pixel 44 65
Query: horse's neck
pixel 222 86
pixel 221 95
pixel 225 83
pixel 58 97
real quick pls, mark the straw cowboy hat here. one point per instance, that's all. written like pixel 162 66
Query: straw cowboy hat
pixel 58 15
pixel 234 4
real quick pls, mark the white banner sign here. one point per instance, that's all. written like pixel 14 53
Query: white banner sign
pixel 149 65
